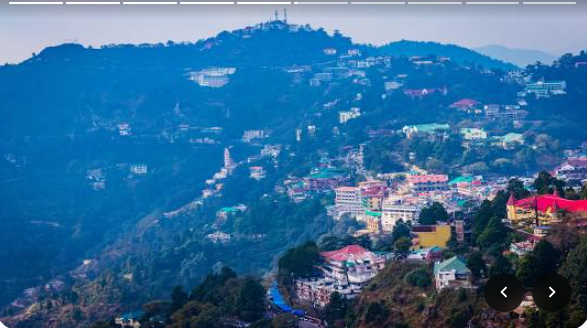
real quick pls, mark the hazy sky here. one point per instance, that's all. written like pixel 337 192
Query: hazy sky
pixel 555 29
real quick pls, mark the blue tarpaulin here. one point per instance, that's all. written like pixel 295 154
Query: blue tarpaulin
pixel 280 302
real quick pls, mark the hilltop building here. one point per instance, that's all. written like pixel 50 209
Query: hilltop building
pixel 426 129
pixel 546 88
pixel 257 172
pixel 323 179
pixel 473 134
pixel 508 141
pixel 452 273
pixel 345 116
pixel 428 183
pixel 229 163
pixel 139 169
pixel 466 105
pixel 250 135
pixel 215 77
pixel 345 271
pixel 572 169
pixel 129 320
pixel 546 209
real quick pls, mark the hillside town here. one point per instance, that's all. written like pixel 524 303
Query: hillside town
pixel 360 182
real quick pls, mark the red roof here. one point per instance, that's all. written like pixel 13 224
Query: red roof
pixel 545 203
pixel 464 103
pixel 428 178
pixel 350 252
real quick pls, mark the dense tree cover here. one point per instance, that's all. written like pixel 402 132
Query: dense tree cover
pixel 459 54
pixel 555 110
pixel 433 213
pixel 337 310
pixel 476 264
pixel 401 229
pixel 547 184
pixel 542 260
pixel 379 155
pixel 402 246
pixel 221 296
pixel 298 262
pixel 501 265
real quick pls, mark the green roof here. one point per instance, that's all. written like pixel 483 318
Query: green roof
pixel 461 179
pixel 469 130
pixel 428 249
pixel 328 173
pixel 372 213
pixel 454 263
pixel 431 127
pixel 228 209
pixel 512 136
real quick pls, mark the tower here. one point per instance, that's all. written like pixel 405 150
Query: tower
pixel 228 162
pixel 511 208
pixel 285 15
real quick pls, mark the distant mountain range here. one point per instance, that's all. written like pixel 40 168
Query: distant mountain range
pixel 456 53
pixel 517 56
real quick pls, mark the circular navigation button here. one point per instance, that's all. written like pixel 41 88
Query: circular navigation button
pixel 551 292
pixel 504 292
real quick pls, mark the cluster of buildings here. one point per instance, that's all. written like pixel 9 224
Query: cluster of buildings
pixel 215 185
pixel 250 135
pixel 345 116
pixel 544 89
pixel 381 204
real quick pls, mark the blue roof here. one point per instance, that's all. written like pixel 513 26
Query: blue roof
pixel 280 302
pixel 278 299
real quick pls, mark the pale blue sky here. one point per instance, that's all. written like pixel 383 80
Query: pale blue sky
pixel 555 29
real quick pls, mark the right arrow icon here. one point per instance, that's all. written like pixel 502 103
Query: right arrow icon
pixel 553 292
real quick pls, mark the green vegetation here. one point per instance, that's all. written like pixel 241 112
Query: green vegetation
pixel 435 212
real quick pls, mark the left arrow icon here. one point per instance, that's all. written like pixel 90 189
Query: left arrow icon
pixel 502 292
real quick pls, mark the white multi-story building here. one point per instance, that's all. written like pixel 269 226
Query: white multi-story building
pixel 392 85
pixel 473 134
pixel 546 88
pixel 349 200
pixel 257 172
pixel 215 77
pixel 271 150
pixel 394 209
pixel 345 116
pixel 139 169
pixel 345 271
pixel 249 135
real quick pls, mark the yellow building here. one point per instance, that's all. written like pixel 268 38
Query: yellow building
pixel 431 235
pixel 373 222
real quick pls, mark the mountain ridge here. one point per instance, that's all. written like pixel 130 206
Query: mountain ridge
pixel 519 56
